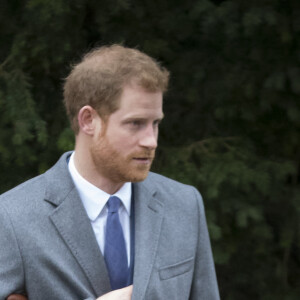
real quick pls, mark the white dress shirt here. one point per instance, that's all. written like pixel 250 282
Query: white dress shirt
pixel 94 201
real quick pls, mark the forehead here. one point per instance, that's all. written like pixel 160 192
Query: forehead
pixel 136 99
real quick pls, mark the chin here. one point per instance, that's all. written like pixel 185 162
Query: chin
pixel 138 177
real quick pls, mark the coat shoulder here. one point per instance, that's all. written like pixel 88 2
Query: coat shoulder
pixel 172 192
pixel 35 189
pixel 31 188
pixel 167 184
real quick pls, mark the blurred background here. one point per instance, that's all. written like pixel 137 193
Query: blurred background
pixel 232 114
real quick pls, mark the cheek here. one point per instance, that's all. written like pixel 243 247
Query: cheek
pixel 127 140
pixel 122 140
pixel 124 145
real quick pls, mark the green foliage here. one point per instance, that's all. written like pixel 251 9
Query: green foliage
pixel 232 114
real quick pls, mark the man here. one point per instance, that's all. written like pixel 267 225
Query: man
pixel 97 224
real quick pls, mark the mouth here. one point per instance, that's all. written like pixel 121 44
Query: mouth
pixel 143 160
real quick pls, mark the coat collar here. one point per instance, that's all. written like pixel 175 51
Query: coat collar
pixel 58 181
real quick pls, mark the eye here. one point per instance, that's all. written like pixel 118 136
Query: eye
pixel 136 123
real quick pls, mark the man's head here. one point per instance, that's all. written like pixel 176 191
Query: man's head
pixel 114 102
pixel 98 80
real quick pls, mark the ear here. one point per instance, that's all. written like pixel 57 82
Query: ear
pixel 88 120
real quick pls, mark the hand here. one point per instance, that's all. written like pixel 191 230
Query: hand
pixel 16 297
pixel 121 294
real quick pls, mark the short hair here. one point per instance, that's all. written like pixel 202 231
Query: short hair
pixel 98 80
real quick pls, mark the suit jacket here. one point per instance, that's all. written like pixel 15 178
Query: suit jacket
pixel 48 249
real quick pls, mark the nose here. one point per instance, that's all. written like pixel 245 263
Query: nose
pixel 149 138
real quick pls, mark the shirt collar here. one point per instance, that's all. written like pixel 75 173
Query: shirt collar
pixel 93 198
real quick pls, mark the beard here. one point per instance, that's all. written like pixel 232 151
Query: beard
pixel 113 165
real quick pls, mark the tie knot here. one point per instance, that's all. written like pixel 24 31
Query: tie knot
pixel 113 204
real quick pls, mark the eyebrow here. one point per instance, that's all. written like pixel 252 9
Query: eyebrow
pixel 142 118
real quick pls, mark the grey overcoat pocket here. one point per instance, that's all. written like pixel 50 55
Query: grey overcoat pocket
pixel 176 269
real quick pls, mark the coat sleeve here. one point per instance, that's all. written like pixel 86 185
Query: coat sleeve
pixel 11 266
pixel 204 284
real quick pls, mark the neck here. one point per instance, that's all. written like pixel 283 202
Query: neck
pixel 86 168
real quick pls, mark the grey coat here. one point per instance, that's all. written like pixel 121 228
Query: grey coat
pixel 48 248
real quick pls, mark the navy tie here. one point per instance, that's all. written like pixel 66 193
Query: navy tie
pixel 115 250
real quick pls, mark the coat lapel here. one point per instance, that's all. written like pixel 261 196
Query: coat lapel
pixel 73 225
pixel 148 219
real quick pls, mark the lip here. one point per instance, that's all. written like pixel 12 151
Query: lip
pixel 143 160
